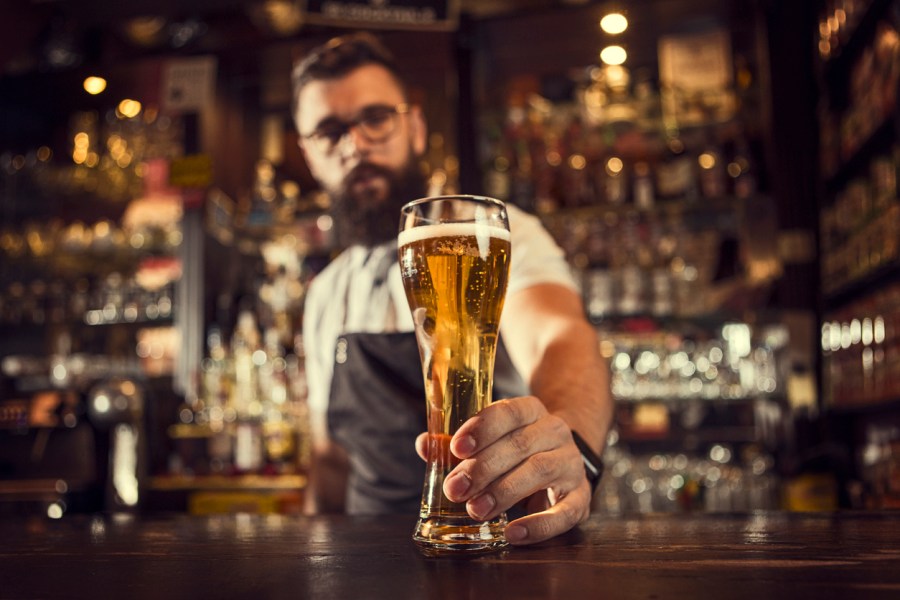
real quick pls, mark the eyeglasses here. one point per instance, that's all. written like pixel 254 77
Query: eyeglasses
pixel 376 124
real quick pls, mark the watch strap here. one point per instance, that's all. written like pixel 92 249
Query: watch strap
pixel 593 464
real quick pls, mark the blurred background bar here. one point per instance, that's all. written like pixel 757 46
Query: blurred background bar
pixel 722 176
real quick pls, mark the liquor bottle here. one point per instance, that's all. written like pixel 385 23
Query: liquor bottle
pixel 248 449
pixel 675 180
pixel 216 385
pixel 634 268
pixel 616 181
pixel 711 171
pixel 599 282
pixel 264 198
pixel 642 188
pixel 661 284
pixel 742 172
pixel 278 425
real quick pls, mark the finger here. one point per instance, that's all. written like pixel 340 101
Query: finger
pixel 495 421
pixel 552 469
pixel 474 474
pixel 571 510
pixel 422 445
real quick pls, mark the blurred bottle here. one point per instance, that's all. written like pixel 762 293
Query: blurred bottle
pixel 616 183
pixel 742 171
pixel 643 192
pixel 675 179
pixel 278 424
pixel 246 353
pixel 264 197
pixel 711 163
pixel 599 282
pixel 217 370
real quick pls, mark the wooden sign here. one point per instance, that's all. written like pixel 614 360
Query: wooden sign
pixel 385 14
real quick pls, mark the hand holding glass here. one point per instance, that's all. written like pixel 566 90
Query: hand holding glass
pixel 454 261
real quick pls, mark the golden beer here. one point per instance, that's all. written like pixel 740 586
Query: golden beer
pixel 455 276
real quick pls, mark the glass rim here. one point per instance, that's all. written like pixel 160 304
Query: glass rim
pixel 470 197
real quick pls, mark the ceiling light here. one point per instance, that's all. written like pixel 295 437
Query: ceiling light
pixel 146 31
pixel 281 17
pixel 613 55
pixel 94 85
pixel 614 23
pixel 128 109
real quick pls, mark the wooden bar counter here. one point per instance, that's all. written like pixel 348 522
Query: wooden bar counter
pixel 760 556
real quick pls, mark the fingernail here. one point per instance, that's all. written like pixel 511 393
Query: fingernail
pixel 465 446
pixel 457 485
pixel 515 533
pixel 481 506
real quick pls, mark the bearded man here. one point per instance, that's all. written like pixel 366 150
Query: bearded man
pixel 362 140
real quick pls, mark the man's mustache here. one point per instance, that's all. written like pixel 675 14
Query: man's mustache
pixel 364 171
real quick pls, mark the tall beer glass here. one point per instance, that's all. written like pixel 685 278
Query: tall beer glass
pixel 454 260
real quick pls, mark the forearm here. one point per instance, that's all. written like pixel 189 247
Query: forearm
pixel 557 351
pixel 572 380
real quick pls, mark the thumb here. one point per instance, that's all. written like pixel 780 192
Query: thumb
pixel 422 445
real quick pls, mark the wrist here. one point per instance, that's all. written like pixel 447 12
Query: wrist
pixel 593 464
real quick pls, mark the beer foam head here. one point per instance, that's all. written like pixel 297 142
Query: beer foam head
pixel 425 232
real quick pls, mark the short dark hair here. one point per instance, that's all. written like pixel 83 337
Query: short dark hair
pixel 338 57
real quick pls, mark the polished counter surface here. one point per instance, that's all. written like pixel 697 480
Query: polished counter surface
pixel 768 555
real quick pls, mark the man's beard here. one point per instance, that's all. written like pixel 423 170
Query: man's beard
pixel 362 217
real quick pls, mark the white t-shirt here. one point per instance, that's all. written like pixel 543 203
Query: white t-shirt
pixel 353 294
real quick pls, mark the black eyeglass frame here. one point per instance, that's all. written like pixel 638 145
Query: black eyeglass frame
pixel 327 139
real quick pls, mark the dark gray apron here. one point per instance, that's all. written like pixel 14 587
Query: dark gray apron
pixel 376 410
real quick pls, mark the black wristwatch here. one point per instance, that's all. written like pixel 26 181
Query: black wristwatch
pixel 593 464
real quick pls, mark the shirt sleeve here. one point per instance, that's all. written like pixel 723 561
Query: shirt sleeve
pixel 536 257
pixel 319 351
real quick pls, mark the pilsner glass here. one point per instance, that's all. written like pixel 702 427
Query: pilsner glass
pixel 454 260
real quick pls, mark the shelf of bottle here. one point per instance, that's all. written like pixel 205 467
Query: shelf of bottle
pixel 698 206
pixel 50 488
pixel 74 372
pixel 675 401
pixel 663 324
pixel 864 406
pixel 691 424
pixel 29 327
pixel 836 68
pixel 171 483
pixel 686 439
pixel 857 158
pixel 859 287
pixel 70 264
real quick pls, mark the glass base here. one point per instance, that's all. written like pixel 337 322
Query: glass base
pixel 447 535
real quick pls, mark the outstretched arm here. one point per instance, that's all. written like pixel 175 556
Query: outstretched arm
pixel 522 449
pixel 556 350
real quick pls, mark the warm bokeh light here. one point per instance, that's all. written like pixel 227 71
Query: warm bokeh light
pixel 614 23
pixel 617 77
pixel 613 55
pixel 128 109
pixel 324 223
pixel 577 162
pixel 94 85
pixel 80 150
pixel 614 165
pixel 706 160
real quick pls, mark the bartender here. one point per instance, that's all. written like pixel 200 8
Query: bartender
pixel 536 447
